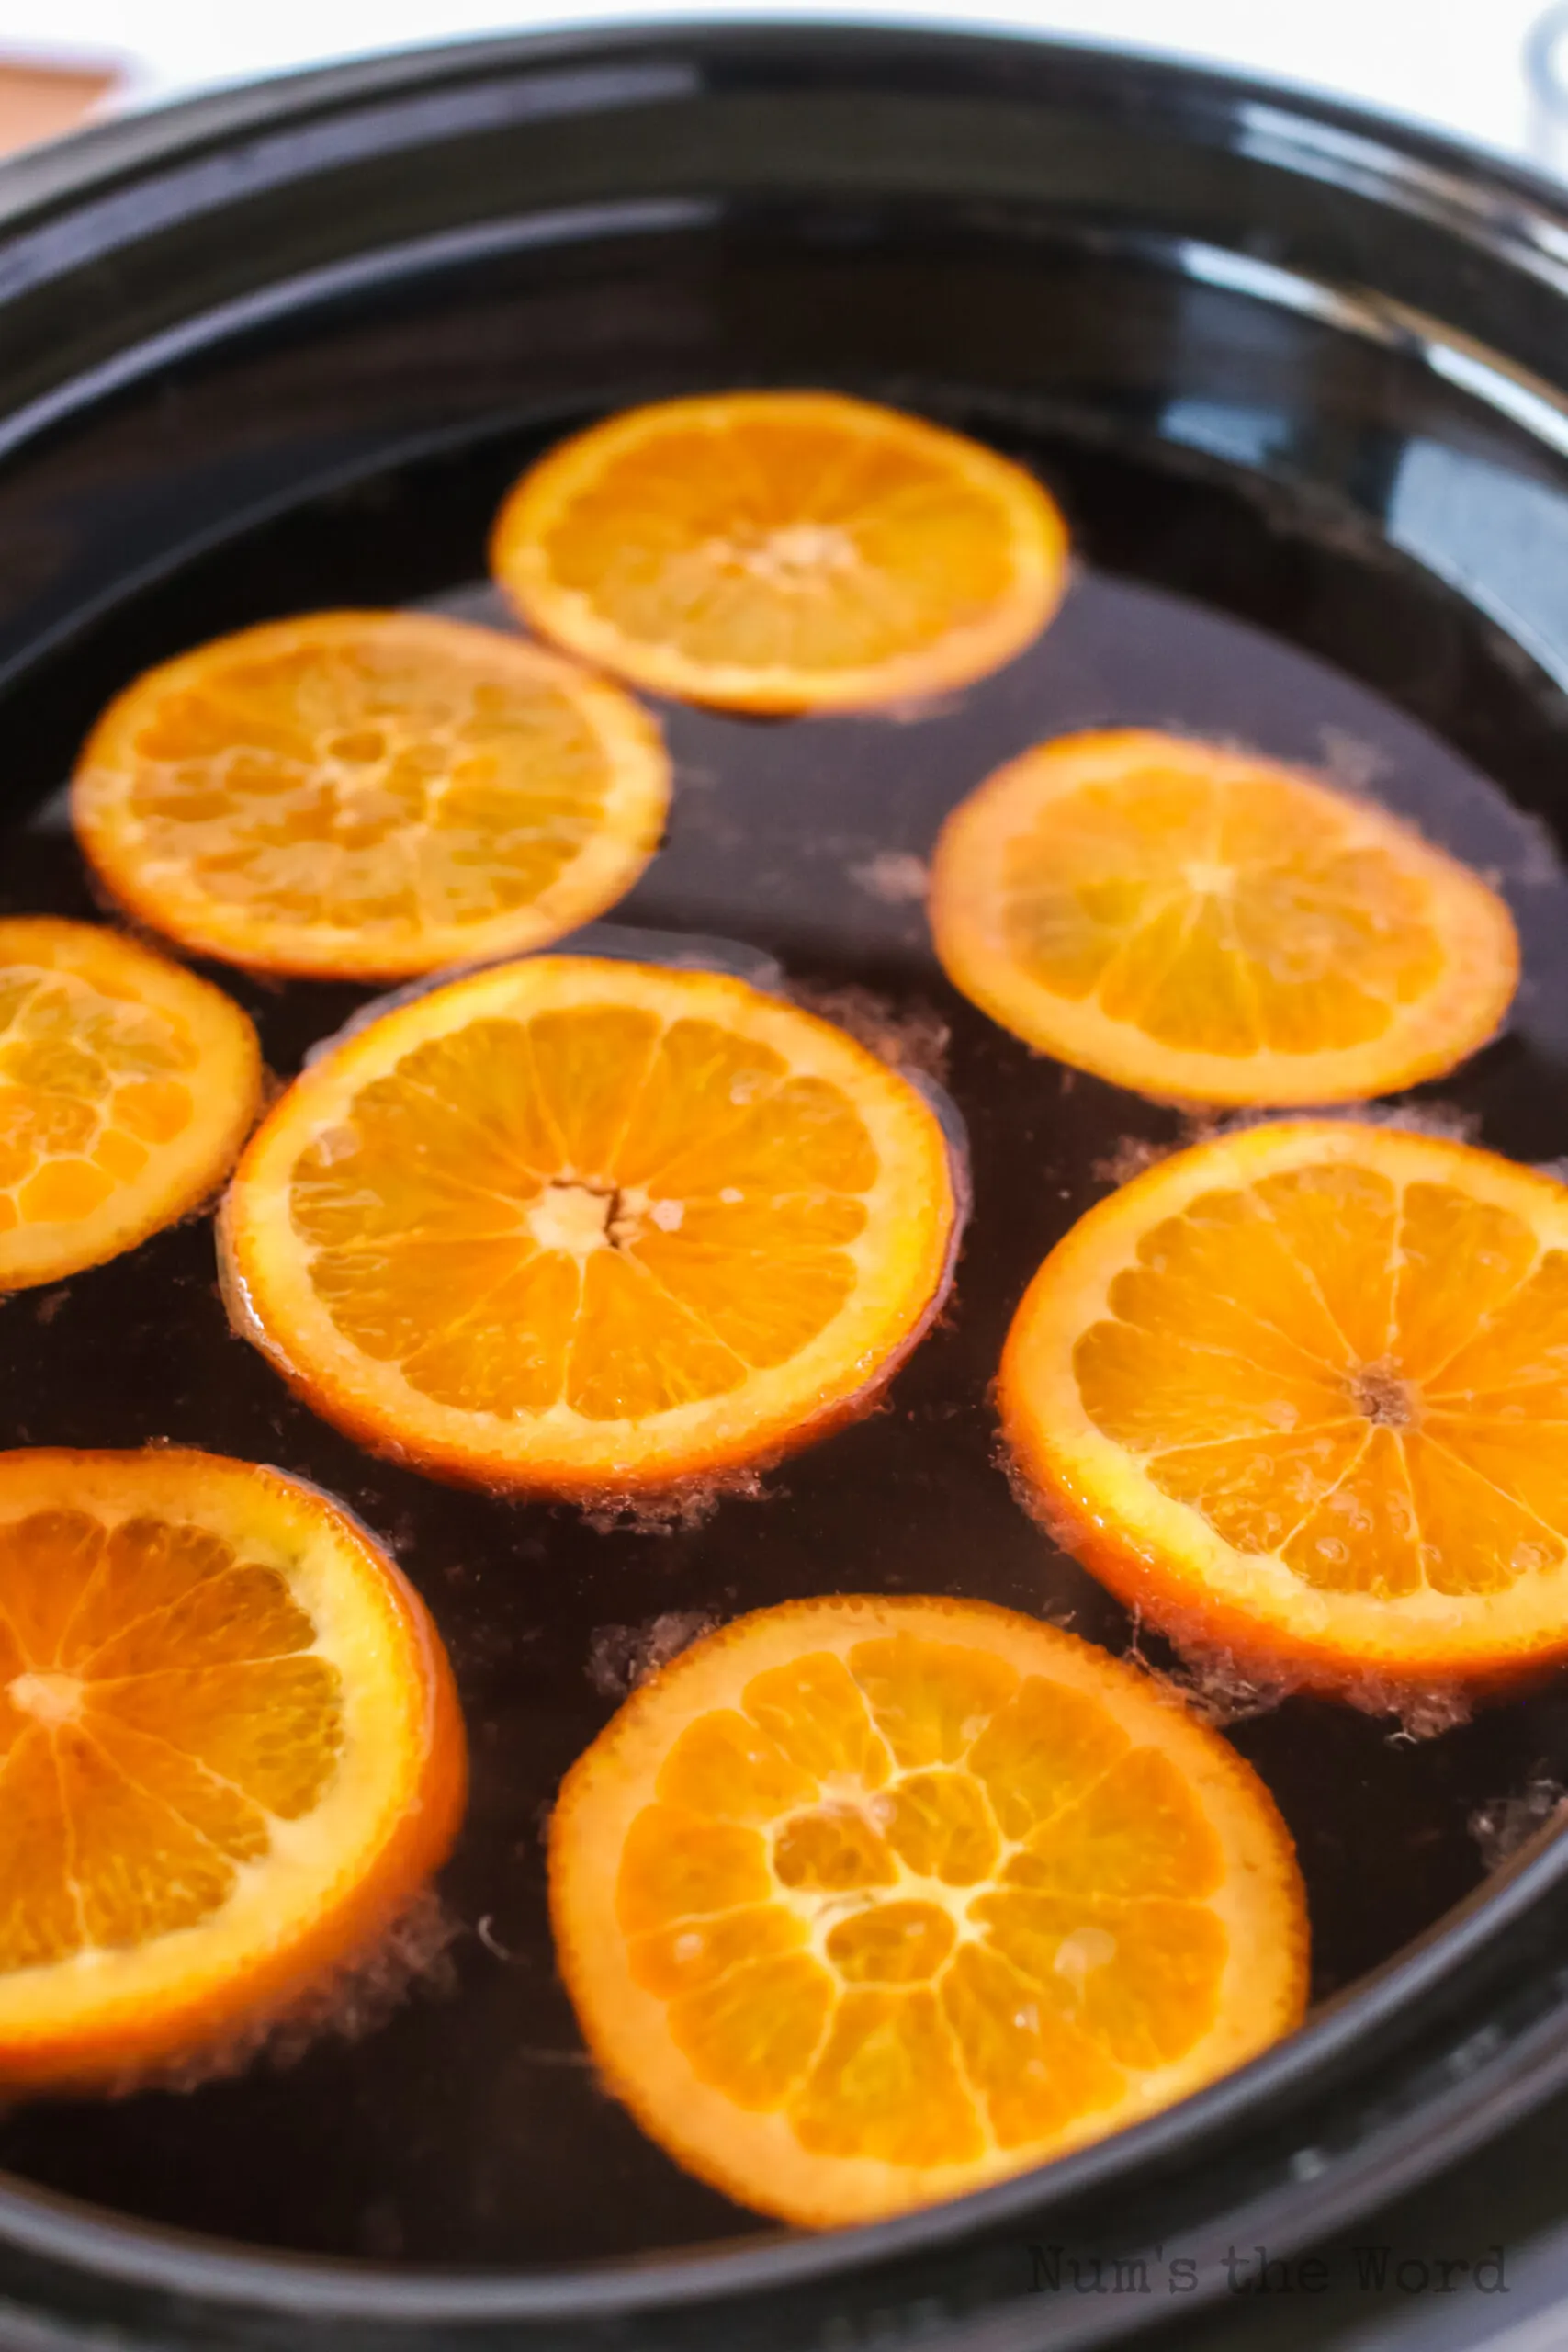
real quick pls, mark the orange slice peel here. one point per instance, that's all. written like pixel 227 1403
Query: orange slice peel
pixel 369 795
pixel 229 1756
pixel 781 552
pixel 1205 925
pixel 1297 1396
pixel 863 1903
pixel 126 1086
pixel 592 1228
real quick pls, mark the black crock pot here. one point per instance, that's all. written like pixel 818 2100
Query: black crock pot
pixel 1338 350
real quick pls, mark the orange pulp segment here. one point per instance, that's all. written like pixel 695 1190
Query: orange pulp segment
pixel 864 1902
pixel 588 1226
pixel 230 1753
pixel 1202 924
pixel 126 1086
pixel 782 551
pixel 369 795
pixel 1300 1394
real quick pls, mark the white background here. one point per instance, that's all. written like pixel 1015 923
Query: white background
pixel 1452 63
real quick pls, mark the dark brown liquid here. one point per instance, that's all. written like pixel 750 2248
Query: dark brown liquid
pixel 469 2128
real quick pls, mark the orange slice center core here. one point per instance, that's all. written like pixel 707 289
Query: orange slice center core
pixel 795 555
pixel 53 1698
pixel 1364 1379
pixel 577 1217
pixel 1381 1391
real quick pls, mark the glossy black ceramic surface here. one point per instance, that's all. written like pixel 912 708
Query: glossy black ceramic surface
pixel 1290 375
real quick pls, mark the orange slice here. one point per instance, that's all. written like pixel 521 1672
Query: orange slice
pixel 589 1226
pixel 782 551
pixel 364 795
pixel 1203 924
pixel 230 1753
pixel 865 1903
pixel 126 1086
pixel 1302 1393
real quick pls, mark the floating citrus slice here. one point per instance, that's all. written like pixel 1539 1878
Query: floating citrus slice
pixel 369 795
pixel 126 1086
pixel 1202 924
pixel 589 1227
pixel 1300 1395
pixel 864 1902
pixel 782 551
pixel 229 1754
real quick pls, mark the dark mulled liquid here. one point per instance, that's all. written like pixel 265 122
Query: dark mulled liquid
pixel 468 2128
